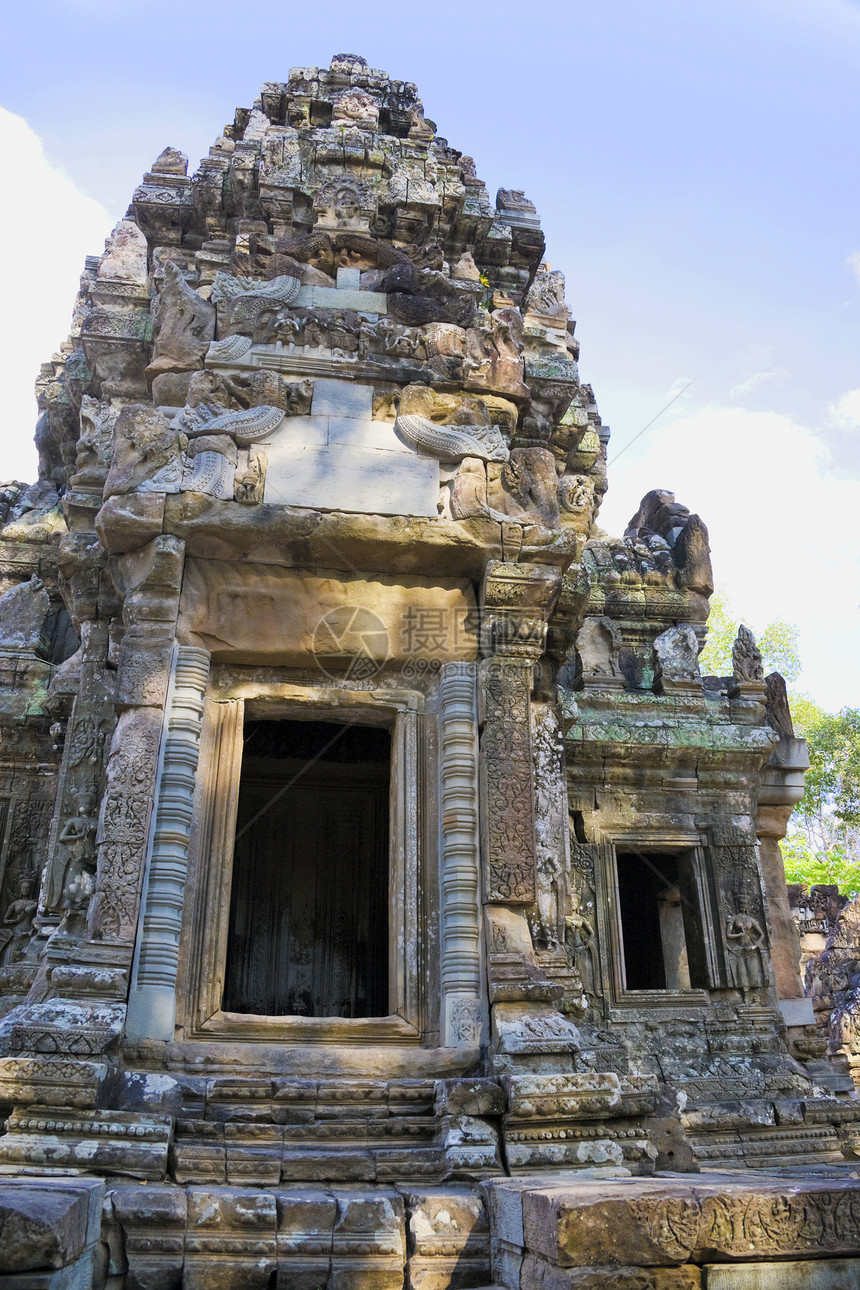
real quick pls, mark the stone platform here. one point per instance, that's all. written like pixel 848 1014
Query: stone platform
pixel 589 1230
pixel 677 1231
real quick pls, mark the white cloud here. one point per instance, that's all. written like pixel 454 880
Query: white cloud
pixel 853 263
pixel 783 529
pixel 846 412
pixel 47 227
pixel 758 378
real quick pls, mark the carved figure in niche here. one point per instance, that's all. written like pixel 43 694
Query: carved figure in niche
pixel 526 487
pixel 580 945
pixel 343 334
pixel 466 1021
pixel 744 941
pixel 184 325
pixel 391 340
pixel 146 457
pixel 17 926
pixel 355 107
pixel 95 443
pixel 289 329
pixel 248 486
pixel 498 938
pixel 493 355
pixel 575 494
pixel 676 653
pixel 315 334
pixel 344 201
pixel 746 659
pixel 78 875
pixel 597 647
pixel 469 490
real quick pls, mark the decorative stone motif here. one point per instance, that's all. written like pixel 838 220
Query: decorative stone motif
pixel 152 1003
pixel 453 443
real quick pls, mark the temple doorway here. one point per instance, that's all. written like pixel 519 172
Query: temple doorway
pixel 308 930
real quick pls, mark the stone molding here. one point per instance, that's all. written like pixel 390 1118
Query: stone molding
pixel 152 1001
pixel 460 959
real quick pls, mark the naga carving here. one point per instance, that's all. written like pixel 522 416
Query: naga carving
pixel 453 443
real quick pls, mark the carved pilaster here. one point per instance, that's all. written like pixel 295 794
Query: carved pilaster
pixel 507 792
pixel 149 580
pixel 516 602
pixel 459 828
pixel 152 1002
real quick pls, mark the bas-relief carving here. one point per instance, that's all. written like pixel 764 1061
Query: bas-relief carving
pixel 507 790
pixel 768 1224
pixel 581 947
pixel 17 925
pixel 551 823
pixel 124 824
pixel 745 943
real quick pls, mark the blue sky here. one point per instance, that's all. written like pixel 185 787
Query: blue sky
pixel 695 166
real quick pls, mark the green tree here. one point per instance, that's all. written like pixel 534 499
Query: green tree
pixel 823 840
pixel 777 642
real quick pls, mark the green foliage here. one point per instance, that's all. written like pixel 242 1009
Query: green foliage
pixel 823 843
pixel 831 866
pixel 778 642
pixel 716 658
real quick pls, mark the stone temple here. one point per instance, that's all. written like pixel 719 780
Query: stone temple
pixel 387 900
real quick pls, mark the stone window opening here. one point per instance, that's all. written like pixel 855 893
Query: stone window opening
pixel 308 923
pixel 661 928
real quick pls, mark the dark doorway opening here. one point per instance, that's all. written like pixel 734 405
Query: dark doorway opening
pixel 661 928
pixel 308 933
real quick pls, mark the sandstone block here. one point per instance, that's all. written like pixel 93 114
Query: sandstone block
pixel 537 1274
pixel 47 1223
pixel 342 399
pixel 448 1239
pixel 128 522
pixel 231 1240
pixel 817 1274
pixel 339 478
pixel 669 1222
pixel 470 1097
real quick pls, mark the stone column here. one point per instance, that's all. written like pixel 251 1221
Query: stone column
pixel 517 600
pixel 460 958
pixel 781 789
pixel 152 1001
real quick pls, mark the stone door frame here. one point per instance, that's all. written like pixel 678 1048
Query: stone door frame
pixel 266 695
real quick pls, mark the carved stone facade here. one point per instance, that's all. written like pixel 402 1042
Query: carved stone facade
pixel 315 667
